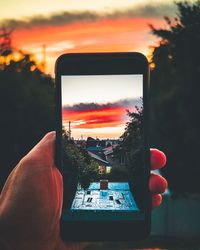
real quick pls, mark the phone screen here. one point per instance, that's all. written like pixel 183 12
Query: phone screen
pixel 102 147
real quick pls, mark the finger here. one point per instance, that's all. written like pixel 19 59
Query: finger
pixel 158 159
pixel 157 184
pixel 156 200
pixel 43 152
pixel 59 189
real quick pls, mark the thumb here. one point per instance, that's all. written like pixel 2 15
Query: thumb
pixel 43 152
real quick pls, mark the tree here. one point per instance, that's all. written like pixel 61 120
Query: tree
pixel 131 149
pixel 175 97
pixel 91 142
pixel 77 163
pixel 132 140
pixel 78 168
pixel 26 108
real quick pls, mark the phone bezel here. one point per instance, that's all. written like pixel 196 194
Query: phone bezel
pixel 105 64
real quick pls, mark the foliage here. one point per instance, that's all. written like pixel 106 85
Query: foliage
pixel 132 140
pixel 132 155
pixel 175 97
pixel 78 164
pixel 27 110
pixel 91 142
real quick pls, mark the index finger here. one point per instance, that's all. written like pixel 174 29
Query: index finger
pixel 158 159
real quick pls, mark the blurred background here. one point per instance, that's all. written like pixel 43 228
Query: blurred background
pixel 34 33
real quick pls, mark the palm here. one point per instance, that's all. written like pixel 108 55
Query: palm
pixel 31 201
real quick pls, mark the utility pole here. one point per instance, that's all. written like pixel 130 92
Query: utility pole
pixel 69 130
pixel 44 61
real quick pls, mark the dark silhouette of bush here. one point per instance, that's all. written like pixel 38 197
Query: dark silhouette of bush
pixel 26 108
pixel 175 92
pixel 77 163
pixel 131 150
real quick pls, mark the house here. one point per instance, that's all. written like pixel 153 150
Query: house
pixel 104 166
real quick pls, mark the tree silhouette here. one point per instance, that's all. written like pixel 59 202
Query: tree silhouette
pixel 132 139
pixel 78 167
pixel 26 108
pixel 77 161
pixel 131 150
pixel 175 97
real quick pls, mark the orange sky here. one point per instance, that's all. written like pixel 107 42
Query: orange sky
pixel 104 122
pixel 127 34
pixel 104 117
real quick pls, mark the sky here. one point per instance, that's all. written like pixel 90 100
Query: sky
pixel 50 28
pixel 99 109
pixel 24 8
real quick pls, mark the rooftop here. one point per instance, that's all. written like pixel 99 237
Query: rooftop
pixel 117 197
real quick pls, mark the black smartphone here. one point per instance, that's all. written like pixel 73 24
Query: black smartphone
pixel 102 147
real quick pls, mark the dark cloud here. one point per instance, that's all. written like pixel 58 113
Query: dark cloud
pixel 150 10
pixel 126 103
pixel 53 20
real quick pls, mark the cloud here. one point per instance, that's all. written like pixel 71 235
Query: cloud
pixel 95 115
pixel 51 20
pixel 66 17
pixel 95 118
pixel 149 10
pixel 125 103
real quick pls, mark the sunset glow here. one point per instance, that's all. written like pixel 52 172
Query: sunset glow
pixel 131 34
pixel 102 123
pixel 92 118
pixel 48 29
pixel 100 108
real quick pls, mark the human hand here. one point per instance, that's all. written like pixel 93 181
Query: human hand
pixel 31 200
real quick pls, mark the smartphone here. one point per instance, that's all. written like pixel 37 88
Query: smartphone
pixel 102 148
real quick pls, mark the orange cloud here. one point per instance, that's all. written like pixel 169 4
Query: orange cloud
pixel 126 34
pixel 104 117
pixel 117 30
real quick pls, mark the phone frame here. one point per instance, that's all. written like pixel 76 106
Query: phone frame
pixel 105 64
